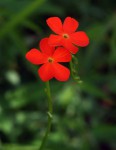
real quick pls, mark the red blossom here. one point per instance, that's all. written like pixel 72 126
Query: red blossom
pixel 49 59
pixel 66 35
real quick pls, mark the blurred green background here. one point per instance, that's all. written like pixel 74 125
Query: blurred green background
pixel 84 114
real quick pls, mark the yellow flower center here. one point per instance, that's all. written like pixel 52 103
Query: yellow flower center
pixel 66 36
pixel 50 60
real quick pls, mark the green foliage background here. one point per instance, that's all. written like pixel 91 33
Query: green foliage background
pixel 84 113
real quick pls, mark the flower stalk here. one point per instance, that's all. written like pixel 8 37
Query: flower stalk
pixel 74 73
pixel 50 110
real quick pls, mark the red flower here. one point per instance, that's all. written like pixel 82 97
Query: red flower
pixel 49 57
pixel 67 37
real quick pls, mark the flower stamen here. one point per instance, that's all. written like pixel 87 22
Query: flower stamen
pixel 50 60
pixel 66 36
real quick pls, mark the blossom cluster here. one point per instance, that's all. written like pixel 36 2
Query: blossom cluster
pixel 58 48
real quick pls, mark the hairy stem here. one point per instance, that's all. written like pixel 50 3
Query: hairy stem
pixel 50 110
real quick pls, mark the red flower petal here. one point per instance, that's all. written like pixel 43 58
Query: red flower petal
pixel 69 46
pixel 35 57
pixel 45 47
pixel 61 55
pixel 46 72
pixel 80 38
pixel 70 25
pixel 55 24
pixel 55 40
pixel 61 73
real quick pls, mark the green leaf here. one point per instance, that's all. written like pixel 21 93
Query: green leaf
pixel 92 89
pixel 105 132
pixel 19 17
pixel 19 147
pixel 112 57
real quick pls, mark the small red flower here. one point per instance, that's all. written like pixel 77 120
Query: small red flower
pixel 67 37
pixel 50 58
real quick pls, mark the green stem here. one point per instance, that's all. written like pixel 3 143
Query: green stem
pixel 71 69
pixel 75 78
pixel 50 110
